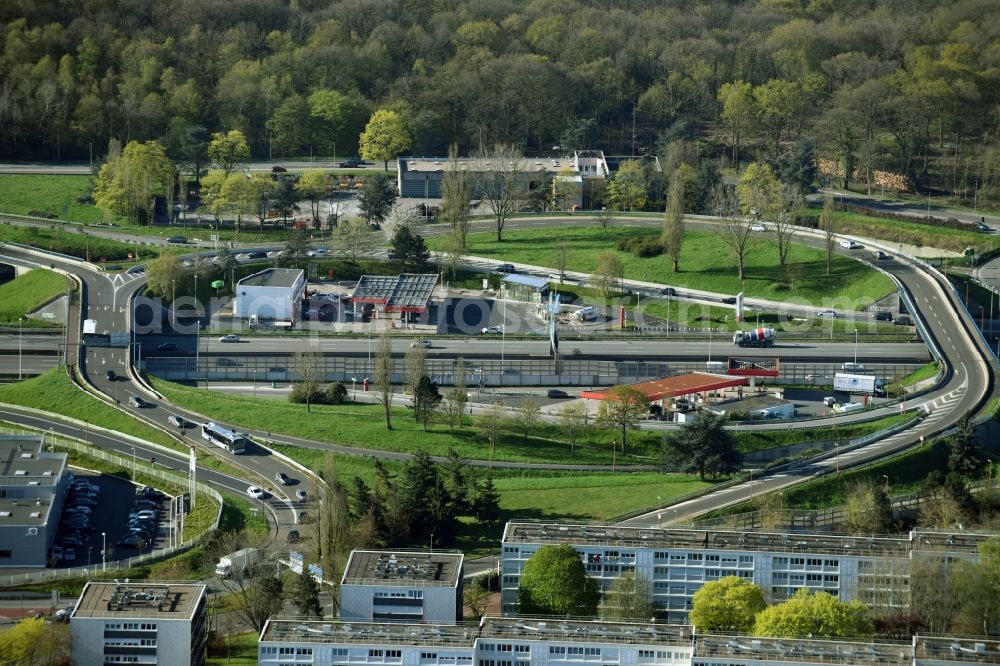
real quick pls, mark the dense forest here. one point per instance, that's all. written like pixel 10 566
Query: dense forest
pixel 905 86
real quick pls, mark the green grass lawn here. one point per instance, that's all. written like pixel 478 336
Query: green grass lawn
pixel 82 246
pixel 234 650
pixel 705 264
pixel 912 233
pixel 27 293
pixel 21 193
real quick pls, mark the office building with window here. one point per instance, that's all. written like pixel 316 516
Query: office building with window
pixel 32 488
pixel 678 561
pixel 139 623
pixel 424 586
pixel 274 294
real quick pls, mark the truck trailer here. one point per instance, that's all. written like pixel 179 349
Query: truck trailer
pixel 237 563
pixel 852 383
pixel 755 337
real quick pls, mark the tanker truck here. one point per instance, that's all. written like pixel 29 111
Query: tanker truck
pixel 755 337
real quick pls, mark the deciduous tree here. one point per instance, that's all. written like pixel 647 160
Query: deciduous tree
pixel 312 186
pixel 164 274
pixel 306 595
pixel 672 233
pixel 228 151
pixel 630 597
pixel 384 368
pixel 354 237
pixel 376 198
pixel 608 274
pixel 573 422
pixel 628 189
pixel 527 417
pixel 818 615
pixel 493 425
pixel 385 137
pixel 622 411
pixel 730 604
pixel 554 582
pixel 34 642
pixel 502 182
pixel 733 229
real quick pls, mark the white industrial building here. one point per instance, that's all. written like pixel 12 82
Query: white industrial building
pixel 678 561
pixel 274 294
pixel 32 489
pixel 140 623
pixel 537 641
pixel 424 586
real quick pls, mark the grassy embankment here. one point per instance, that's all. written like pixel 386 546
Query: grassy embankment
pixel 27 293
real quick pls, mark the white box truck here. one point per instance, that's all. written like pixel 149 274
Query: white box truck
pixel 852 383
pixel 236 563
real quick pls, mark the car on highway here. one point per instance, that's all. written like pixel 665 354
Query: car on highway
pixel 506 268
pixel 277 168
pixel 879 254
pixel 351 162
pixel 257 254
pixel 668 291
pixel 318 252
pixel 282 478
pixel 166 346
pixel 293 536
pixel 849 245
pixel 180 240
pixel 256 492
pixel 729 300
pixel 137 402
pixel 422 342
pixel 300 495
pixel 851 366
pixel 491 330
pixel 826 313
pixel 758 227
pixel 110 375
pixel 176 421
pixel 903 320
pixel 231 337
pixel 130 541
pixel 557 393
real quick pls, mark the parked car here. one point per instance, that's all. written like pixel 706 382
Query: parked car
pixel 282 478
pixel 557 393
pixel 882 316
pixel 71 539
pixel 351 163
pixel 69 554
pixel 56 553
pixel 256 492
pixel 131 541
pixel 136 401
pixel 903 320
pixel 166 346
pixel 110 375
pixel 181 240
pixel 231 337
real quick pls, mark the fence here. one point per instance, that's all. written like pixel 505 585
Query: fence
pixel 45 575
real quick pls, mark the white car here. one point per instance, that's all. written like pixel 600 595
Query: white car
pixel 256 492
pixel 300 495
pixel 232 337
pixel 422 342
pixel 849 245
pixel 758 227
pixel 492 330
pixel 826 313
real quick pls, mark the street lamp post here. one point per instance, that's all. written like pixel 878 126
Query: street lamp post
pixel 354 389
pixel 855 347
pixel 133 461
pixel 19 335
pixel 90 549
pixel 104 551
pixel 369 345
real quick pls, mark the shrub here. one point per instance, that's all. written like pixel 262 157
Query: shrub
pixel 336 394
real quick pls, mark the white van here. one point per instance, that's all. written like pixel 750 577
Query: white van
pixel 588 313
pixel 850 365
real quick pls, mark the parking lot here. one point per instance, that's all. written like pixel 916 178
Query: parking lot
pixel 96 512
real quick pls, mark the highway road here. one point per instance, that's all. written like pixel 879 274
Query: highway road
pixel 105 298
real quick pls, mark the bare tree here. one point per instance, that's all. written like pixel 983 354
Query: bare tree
pixel 866 509
pixel 305 363
pixel 455 398
pixel 562 252
pixel 456 195
pixel 734 229
pixel 384 367
pixel 604 219
pixel 493 424
pixel 528 417
pixel 414 367
pixel 258 592
pixel 502 182
pixel 672 234
pixel 608 274
pixel 784 223
pixel 622 410
pixel 826 224
pixel 573 421
pixel 476 597
pixel 354 237
pixel 331 523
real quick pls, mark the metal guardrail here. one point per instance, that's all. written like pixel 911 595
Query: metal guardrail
pixel 45 575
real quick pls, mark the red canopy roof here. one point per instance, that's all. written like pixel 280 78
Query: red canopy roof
pixel 671 387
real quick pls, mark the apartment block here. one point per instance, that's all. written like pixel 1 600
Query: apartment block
pixel 139 623
pixel 874 570
pixel 424 586
pixel 507 641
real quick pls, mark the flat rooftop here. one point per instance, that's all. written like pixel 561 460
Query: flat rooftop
pixel 29 512
pixel 741 540
pixel 949 649
pixel 672 387
pixel 803 650
pixel 273 277
pixel 23 461
pixel 475 164
pixel 161 601
pixel 393 567
pixel 492 627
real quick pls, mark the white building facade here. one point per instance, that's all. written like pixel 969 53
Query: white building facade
pixel 274 294
pixel 33 486
pixel 139 623
pixel 677 562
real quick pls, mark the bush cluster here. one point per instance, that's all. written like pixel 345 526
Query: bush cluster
pixel 317 394
pixel 643 247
